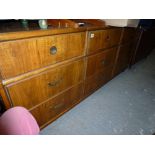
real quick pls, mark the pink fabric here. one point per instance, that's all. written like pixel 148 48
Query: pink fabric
pixel 18 121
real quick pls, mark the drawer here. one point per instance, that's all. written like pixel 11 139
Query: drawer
pixel 58 105
pixel 128 35
pixel 21 56
pixel 35 90
pixel 102 39
pixel 100 61
pixel 57 48
pixel 97 80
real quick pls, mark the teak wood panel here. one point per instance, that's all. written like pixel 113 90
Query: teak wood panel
pixel 56 106
pixel 102 39
pixel 100 61
pixel 35 90
pixel 21 56
pixel 123 58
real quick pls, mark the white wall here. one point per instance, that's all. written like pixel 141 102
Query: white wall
pixel 122 22
pixel 133 22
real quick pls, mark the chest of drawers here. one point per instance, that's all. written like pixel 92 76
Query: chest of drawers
pixel 49 72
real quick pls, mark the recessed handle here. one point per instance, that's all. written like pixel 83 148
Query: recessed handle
pixel 55 83
pixel 57 106
pixel 53 50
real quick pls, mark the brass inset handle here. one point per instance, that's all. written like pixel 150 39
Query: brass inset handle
pixel 57 106
pixel 53 50
pixel 55 83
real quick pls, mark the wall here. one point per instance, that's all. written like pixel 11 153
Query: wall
pixel 122 22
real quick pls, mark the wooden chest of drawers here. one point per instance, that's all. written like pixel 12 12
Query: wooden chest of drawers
pixel 49 74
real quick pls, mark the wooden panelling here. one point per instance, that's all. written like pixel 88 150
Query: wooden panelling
pixel 25 55
pixel 102 39
pixel 58 105
pixel 35 90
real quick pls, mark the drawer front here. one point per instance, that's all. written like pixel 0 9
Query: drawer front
pixel 56 106
pixel 35 90
pixel 22 56
pixel 101 39
pixel 114 36
pixel 97 40
pixel 100 61
pixel 61 47
pixel 97 80
pixel 128 35
pixel 124 55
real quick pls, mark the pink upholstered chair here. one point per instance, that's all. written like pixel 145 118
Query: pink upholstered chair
pixel 18 121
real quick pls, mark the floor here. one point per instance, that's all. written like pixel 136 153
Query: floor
pixel 125 105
